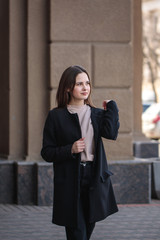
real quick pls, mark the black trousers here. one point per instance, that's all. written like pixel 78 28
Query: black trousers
pixel 84 229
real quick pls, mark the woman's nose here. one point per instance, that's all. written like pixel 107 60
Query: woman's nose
pixel 84 86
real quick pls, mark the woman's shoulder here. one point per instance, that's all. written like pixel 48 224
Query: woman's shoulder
pixel 56 112
pixel 96 110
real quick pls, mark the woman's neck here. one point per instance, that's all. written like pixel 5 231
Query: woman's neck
pixel 76 103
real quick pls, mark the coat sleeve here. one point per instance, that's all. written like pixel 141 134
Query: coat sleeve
pixel 51 152
pixel 110 121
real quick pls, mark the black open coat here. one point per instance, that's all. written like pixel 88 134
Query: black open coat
pixel 61 130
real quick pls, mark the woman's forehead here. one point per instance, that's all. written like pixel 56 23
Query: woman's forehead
pixel 82 77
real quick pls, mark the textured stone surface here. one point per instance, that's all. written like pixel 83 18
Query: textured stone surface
pixel 44 184
pixel 132 222
pixel 53 99
pixel 123 97
pixel 64 55
pixel 146 149
pixel 26 183
pixel 17 80
pixel 132 181
pixel 92 20
pixel 7 182
pixel 37 75
pixel 156 178
pixel 116 59
pixel 119 149
pixel 137 69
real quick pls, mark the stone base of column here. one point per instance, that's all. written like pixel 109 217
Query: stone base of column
pixel 131 181
pixel 156 179
pixel 31 183
pixel 146 149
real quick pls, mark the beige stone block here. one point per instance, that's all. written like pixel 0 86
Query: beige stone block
pixel 121 149
pixel 112 65
pixel 91 20
pixel 64 55
pixel 123 98
pixel 53 98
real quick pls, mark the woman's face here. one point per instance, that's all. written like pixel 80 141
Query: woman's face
pixel 81 89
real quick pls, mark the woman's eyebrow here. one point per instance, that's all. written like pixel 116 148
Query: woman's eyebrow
pixel 82 81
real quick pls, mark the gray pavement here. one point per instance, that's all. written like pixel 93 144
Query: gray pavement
pixel 132 222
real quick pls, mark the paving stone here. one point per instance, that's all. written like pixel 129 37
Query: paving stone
pixel 132 222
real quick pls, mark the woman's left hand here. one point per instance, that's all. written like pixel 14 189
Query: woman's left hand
pixel 105 104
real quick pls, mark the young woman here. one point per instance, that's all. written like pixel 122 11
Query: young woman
pixel 83 191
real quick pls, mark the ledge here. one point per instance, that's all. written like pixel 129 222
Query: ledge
pixel 31 183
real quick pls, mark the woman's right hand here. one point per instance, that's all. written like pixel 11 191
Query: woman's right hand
pixel 105 104
pixel 78 146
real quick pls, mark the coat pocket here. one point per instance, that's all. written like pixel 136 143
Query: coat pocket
pixel 105 175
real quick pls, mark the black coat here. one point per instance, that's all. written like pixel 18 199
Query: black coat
pixel 61 130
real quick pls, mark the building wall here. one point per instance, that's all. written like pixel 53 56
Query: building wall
pixel 42 39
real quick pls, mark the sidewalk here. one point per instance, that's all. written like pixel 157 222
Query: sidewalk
pixel 132 222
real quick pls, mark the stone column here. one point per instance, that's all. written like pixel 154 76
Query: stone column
pixel 24 77
pixel 17 79
pixel 13 79
pixel 4 78
pixel 98 35
pixel 38 75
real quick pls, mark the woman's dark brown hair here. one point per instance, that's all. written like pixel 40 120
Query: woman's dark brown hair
pixel 67 82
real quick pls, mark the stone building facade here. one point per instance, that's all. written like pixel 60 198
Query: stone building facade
pixel 39 39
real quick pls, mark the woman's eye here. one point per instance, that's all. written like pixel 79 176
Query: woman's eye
pixel 81 84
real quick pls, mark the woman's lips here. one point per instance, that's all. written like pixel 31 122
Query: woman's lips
pixel 84 93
